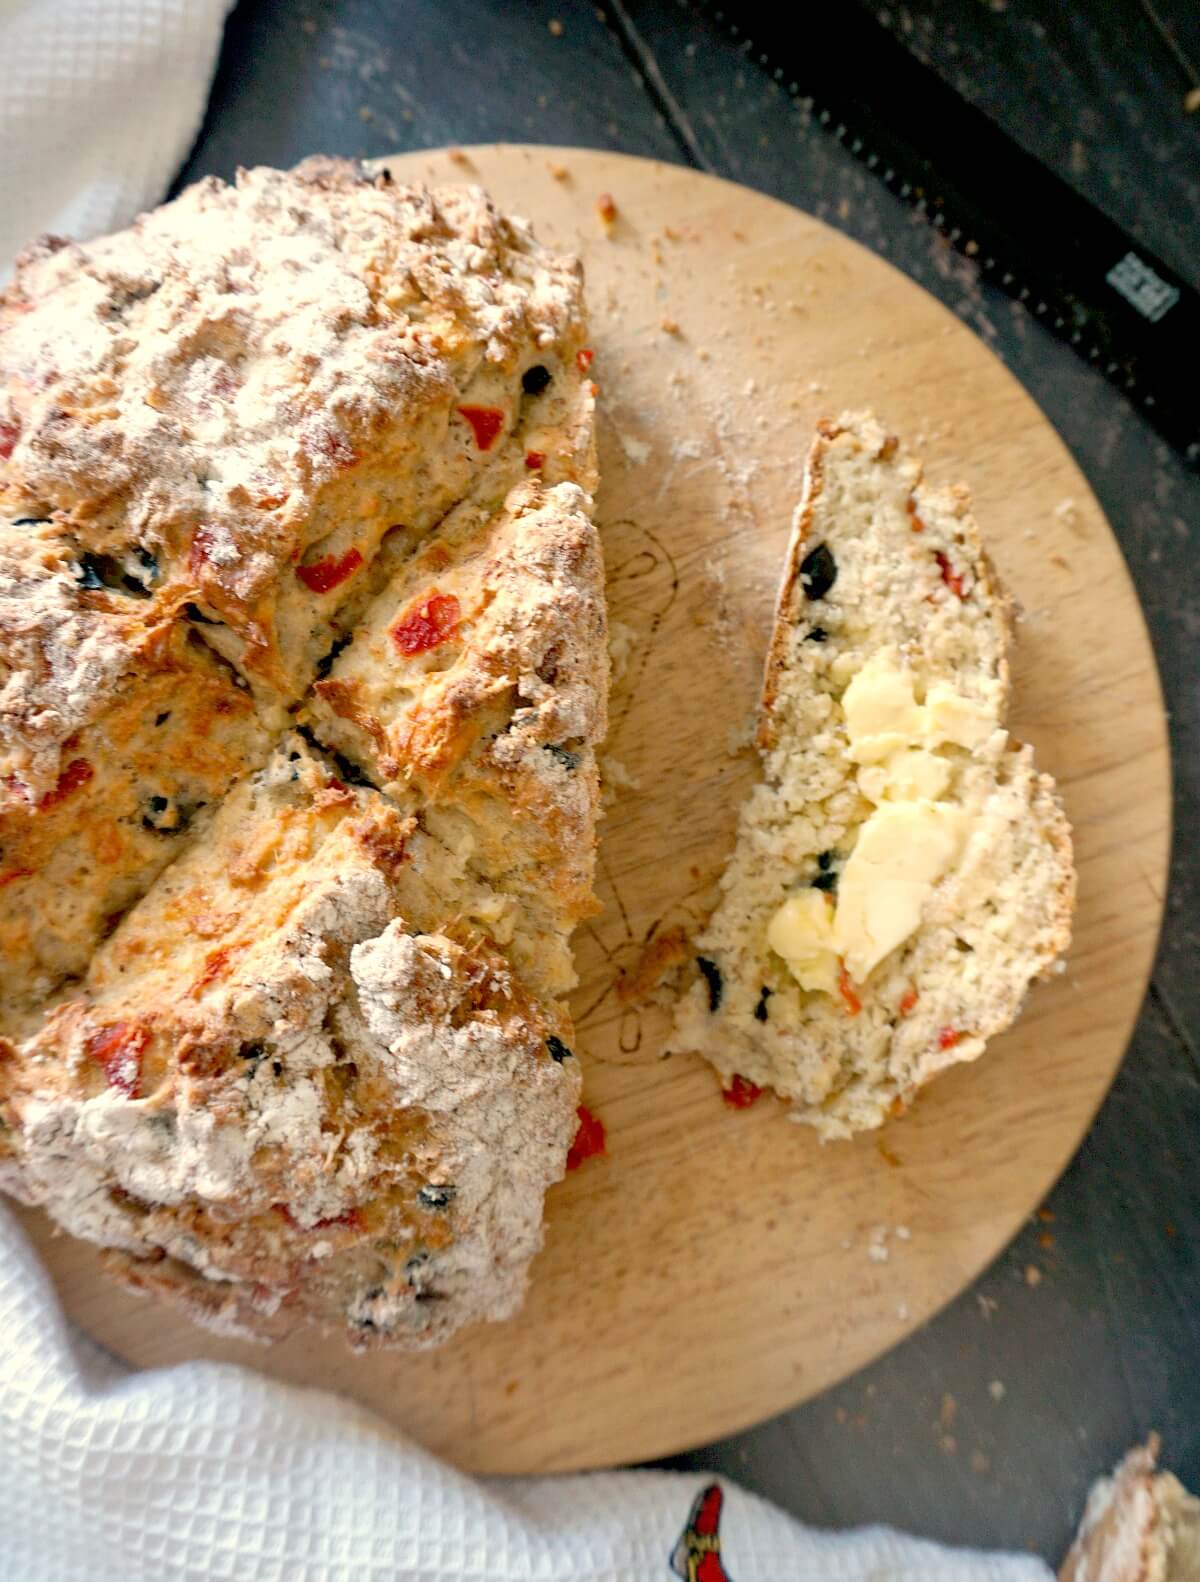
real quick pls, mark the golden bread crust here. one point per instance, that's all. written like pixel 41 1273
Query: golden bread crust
pixel 282 1029
pixel 475 681
pixel 257 381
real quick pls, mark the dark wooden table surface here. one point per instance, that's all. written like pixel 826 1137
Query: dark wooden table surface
pixel 985 1427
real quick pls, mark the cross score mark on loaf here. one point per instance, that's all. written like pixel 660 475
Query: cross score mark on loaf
pixel 302 678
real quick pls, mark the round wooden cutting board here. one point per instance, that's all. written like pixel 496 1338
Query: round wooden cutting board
pixel 719 1266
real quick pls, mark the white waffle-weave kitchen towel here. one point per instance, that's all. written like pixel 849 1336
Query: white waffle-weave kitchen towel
pixel 99 103
pixel 205 1471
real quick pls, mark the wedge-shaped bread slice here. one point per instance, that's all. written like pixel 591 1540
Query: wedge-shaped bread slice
pixel 1140 1525
pixel 302 1081
pixel 476 682
pixel 255 383
pixel 902 873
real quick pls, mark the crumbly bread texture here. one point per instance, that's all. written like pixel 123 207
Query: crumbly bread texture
pixel 1140 1525
pixel 494 737
pixel 302 1080
pixel 280 1023
pixel 171 728
pixel 255 383
pixel 902 873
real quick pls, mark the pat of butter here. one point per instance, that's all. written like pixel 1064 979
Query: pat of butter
pixel 949 717
pixel 911 840
pixel 908 776
pixel 801 931
pixel 882 715
pixel 903 849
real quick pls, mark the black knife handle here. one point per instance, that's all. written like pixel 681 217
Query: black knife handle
pixel 1030 233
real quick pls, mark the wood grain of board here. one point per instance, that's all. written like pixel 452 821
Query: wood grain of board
pixel 716 1266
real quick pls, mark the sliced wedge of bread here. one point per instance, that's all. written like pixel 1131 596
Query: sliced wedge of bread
pixel 474 687
pixel 1140 1525
pixel 902 873
pixel 302 1080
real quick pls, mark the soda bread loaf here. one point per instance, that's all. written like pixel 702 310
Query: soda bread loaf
pixel 902 873
pixel 1140 1525
pixel 281 1015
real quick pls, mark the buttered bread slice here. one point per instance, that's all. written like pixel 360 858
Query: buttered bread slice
pixel 903 872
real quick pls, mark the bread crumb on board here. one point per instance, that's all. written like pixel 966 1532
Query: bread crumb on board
pixel 877 1240
pixel 621 639
pixel 659 958
pixel 740 736
pixel 637 451
pixel 614 779
pixel 718 613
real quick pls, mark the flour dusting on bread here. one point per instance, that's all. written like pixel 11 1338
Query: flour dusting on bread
pixel 281 1027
